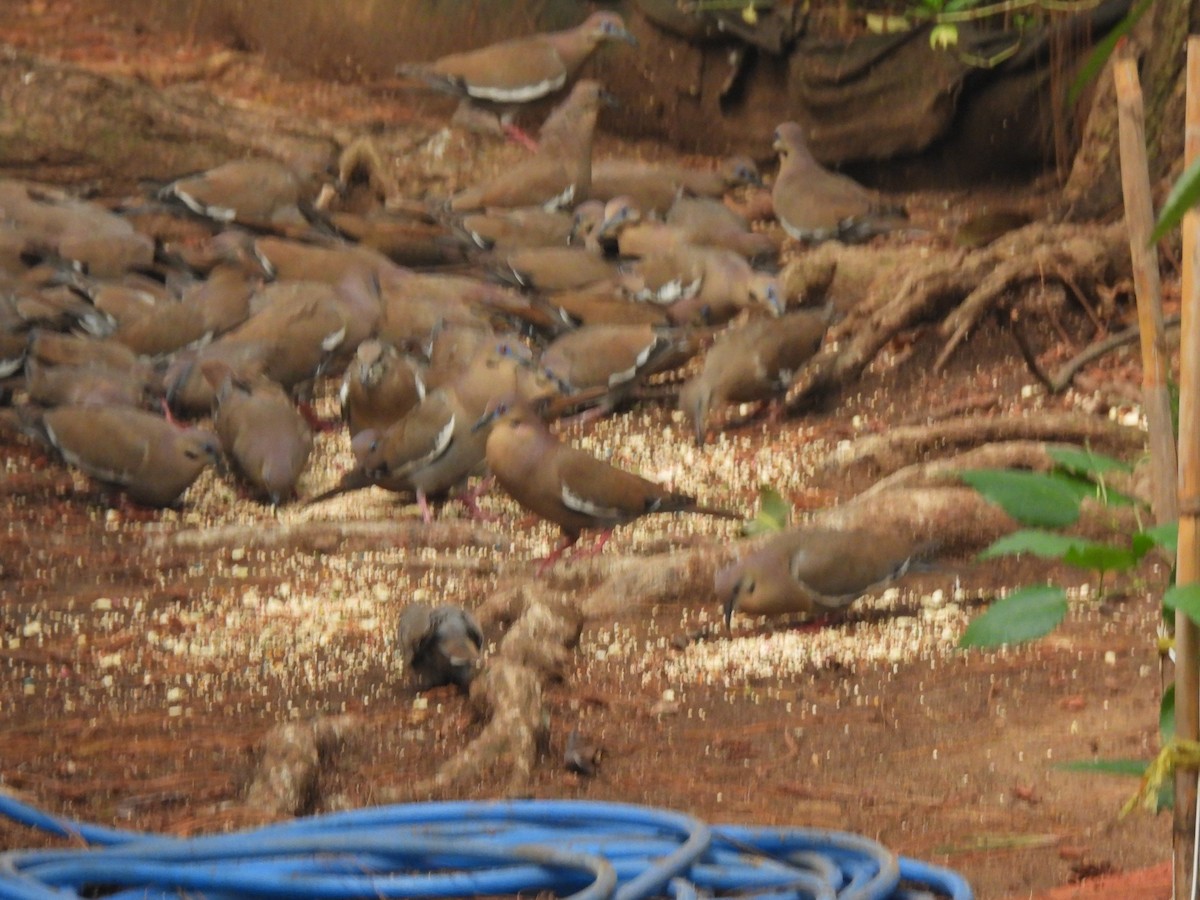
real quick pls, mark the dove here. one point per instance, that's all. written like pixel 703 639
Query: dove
pixel 812 570
pixel 569 486
pixel 438 645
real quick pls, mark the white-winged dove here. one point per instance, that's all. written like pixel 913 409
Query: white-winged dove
pixel 54 224
pixel 55 349
pixel 615 357
pixel 289 260
pixel 559 174
pixel 162 328
pixel 751 363
pixel 262 433
pixel 516 229
pixel 814 204
pixel 143 454
pixel 301 325
pixel 570 487
pixel 189 393
pixel 655 186
pixel 812 570
pixel 699 221
pixel 703 285
pixel 557 268
pixel 255 192
pixel 523 69
pixel 380 386
pixel 90 385
pixel 711 223
pixel 605 304
pixel 438 645
pixel 429 452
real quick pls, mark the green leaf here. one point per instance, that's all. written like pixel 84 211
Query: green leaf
pixel 1029 497
pixel 942 37
pixel 1165 536
pixel 1134 767
pixel 1100 557
pixel 1023 615
pixel 1086 462
pixel 774 513
pixel 1085 487
pixel 1143 542
pixel 1166 714
pixel 1046 544
pixel 1183 197
pixel 1185 597
pixel 1103 50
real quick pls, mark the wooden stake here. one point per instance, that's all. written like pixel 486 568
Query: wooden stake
pixel 1187 635
pixel 1139 221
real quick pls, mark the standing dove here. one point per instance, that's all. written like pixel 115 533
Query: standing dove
pixel 559 174
pixel 146 456
pixel 261 431
pixel 814 204
pixel 523 69
pixel 570 487
pixel 751 363
pixel 438 645
pixel 812 570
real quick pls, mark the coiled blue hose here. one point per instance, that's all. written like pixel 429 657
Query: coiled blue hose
pixel 577 849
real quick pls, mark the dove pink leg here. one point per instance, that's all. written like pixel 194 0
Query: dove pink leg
pixel 470 498
pixel 518 135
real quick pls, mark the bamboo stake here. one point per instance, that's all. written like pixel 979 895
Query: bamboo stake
pixel 1187 635
pixel 1139 221
pixel 1164 472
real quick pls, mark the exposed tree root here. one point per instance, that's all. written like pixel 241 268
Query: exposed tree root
pixel 899 447
pixel 924 501
pixel 324 535
pixel 536 649
pixel 958 288
pixel 285 780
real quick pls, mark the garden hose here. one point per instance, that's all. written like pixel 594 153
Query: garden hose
pixel 578 849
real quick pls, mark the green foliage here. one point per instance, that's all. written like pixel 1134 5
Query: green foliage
pixel 1023 615
pixel 1157 787
pixel 1133 767
pixel 1104 48
pixel 1044 544
pixel 774 513
pixel 1086 462
pixel 1165 536
pixel 1166 714
pixel 1185 597
pixel 1183 196
pixel 1032 498
pixel 1043 501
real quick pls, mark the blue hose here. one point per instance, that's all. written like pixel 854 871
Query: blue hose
pixel 576 849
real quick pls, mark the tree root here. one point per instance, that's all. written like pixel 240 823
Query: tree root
pixel 925 502
pixel 899 447
pixel 536 649
pixel 285 780
pixel 957 288
pixel 322 535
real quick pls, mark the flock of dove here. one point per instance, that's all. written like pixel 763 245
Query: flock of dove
pixel 461 328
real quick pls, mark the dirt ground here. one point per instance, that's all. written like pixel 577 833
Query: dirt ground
pixel 142 674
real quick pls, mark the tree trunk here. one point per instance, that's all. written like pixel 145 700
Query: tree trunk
pixel 68 125
pixel 1093 188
